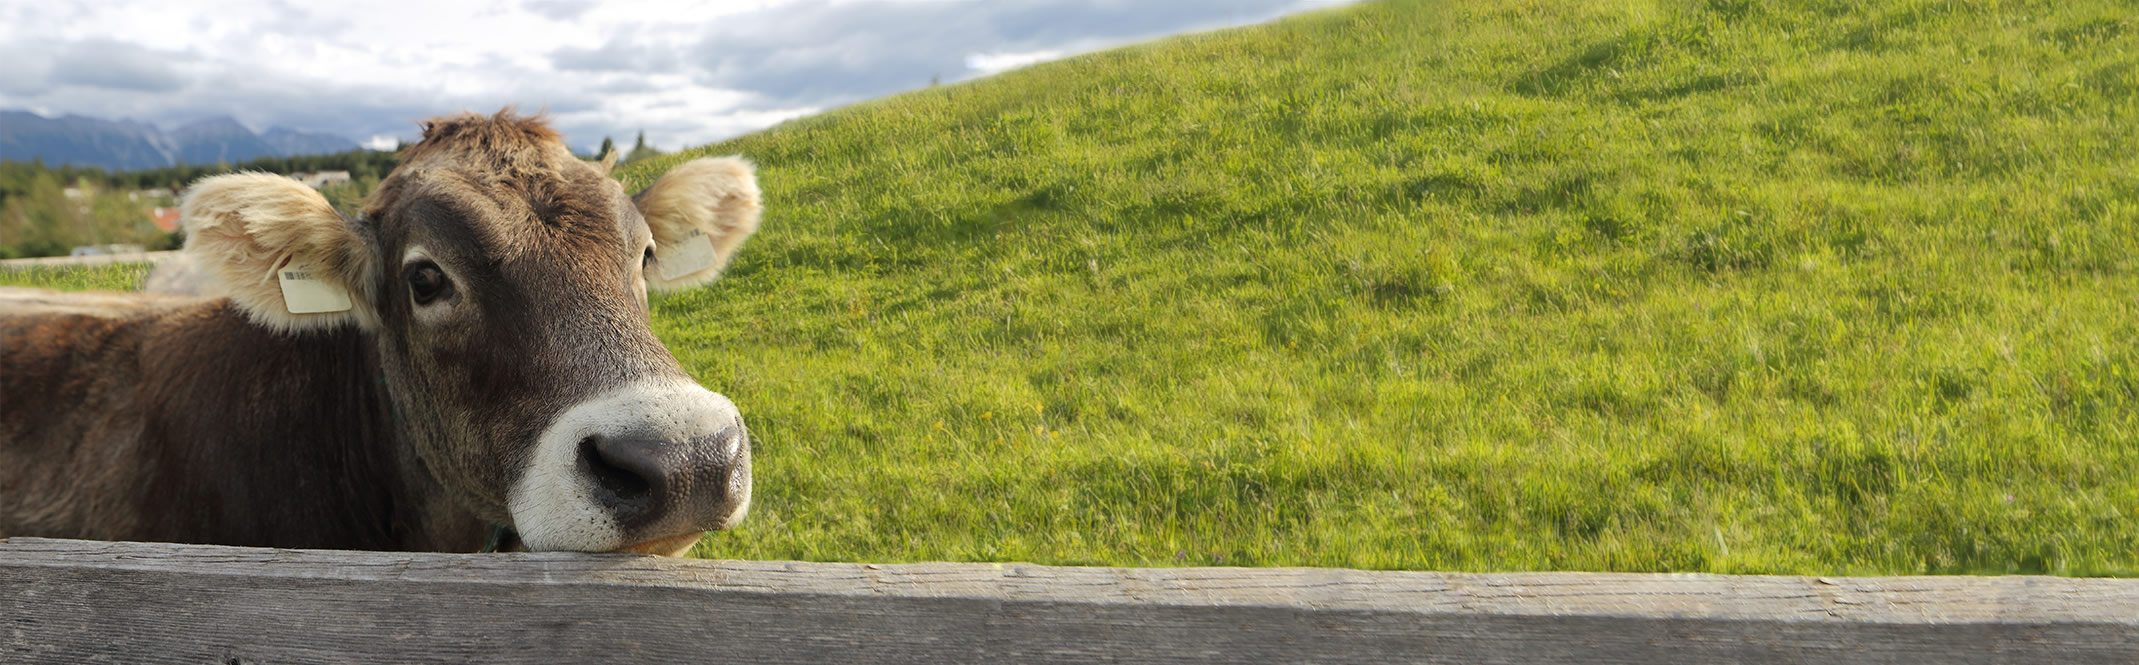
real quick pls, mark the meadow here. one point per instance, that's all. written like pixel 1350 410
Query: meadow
pixel 1813 287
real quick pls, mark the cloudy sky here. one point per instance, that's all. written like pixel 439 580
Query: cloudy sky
pixel 685 72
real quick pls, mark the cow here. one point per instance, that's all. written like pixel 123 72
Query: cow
pixel 470 356
pixel 177 274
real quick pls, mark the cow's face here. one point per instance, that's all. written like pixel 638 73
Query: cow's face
pixel 505 282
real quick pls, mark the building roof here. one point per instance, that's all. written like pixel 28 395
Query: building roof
pixel 165 219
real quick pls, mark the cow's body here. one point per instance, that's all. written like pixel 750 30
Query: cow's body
pixel 173 419
pixel 472 351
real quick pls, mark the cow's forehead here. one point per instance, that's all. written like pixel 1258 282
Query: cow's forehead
pixel 506 189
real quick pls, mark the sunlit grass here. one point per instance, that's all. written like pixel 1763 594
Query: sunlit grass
pixel 117 276
pixel 1813 287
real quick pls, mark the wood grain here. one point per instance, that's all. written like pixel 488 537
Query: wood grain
pixel 74 601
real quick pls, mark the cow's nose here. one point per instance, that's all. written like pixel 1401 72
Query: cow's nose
pixel 659 488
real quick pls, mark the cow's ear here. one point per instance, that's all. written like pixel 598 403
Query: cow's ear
pixel 700 212
pixel 280 252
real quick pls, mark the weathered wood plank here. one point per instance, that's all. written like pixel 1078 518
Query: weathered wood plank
pixel 127 602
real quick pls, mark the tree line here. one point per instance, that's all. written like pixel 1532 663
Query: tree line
pixel 50 210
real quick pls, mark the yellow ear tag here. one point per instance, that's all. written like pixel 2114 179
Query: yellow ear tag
pixel 695 253
pixel 307 291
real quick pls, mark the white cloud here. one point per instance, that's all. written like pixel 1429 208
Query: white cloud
pixel 684 72
pixel 990 63
pixel 382 142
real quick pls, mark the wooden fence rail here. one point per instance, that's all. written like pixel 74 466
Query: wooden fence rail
pixel 74 601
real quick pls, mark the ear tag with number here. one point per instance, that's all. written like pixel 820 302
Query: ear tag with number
pixel 307 291
pixel 695 253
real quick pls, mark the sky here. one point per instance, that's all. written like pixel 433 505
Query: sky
pixel 686 73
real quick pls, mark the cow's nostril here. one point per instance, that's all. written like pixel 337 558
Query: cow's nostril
pixel 729 443
pixel 659 487
pixel 622 472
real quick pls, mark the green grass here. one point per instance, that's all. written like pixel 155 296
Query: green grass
pixel 119 276
pixel 1733 286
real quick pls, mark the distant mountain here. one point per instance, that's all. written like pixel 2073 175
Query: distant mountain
pixel 292 142
pixel 219 139
pixel 77 139
pixel 126 144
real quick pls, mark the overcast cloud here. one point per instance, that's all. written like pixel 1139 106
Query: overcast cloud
pixel 685 73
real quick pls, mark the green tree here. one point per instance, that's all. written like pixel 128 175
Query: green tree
pixel 112 217
pixel 348 197
pixel 639 149
pixel 41 219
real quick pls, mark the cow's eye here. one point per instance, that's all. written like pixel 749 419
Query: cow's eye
pixel 426 283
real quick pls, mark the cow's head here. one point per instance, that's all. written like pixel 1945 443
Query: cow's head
pixel 504 282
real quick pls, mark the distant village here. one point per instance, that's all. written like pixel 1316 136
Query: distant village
pixel 165 216
pixel 62 210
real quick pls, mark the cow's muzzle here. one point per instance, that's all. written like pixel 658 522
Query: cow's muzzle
pixel 660 487
pixel 646 468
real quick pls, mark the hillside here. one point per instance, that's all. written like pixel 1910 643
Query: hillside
pixel 1794 287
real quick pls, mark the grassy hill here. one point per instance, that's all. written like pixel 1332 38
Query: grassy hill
pixel 1737 286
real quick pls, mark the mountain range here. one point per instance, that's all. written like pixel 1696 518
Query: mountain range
pixel 128 144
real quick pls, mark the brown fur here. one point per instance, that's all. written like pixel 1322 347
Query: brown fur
pixel 247 224
pixel 279 473
pixel 223 420
pixel 717 197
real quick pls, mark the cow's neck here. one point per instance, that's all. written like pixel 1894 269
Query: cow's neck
pixel 289 441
